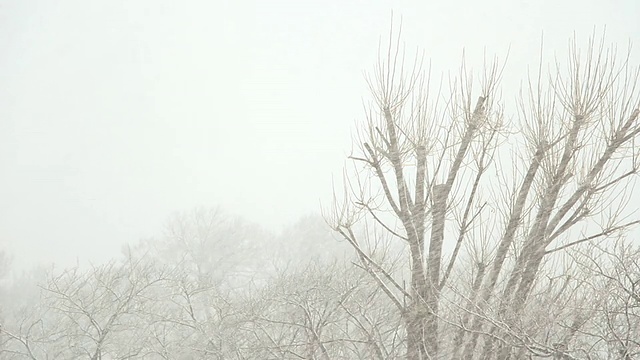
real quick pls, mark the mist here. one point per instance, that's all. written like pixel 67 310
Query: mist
pixel 119 117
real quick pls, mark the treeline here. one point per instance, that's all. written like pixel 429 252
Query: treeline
pixel 213 288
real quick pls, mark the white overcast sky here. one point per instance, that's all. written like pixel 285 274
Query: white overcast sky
pixel 114 114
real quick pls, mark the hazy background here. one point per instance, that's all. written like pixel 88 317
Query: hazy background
pixel 114 114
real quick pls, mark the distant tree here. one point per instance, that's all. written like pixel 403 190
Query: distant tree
pixel 613 275
pixel 308 239
pixel 22 308
pixel 445 174
pixel 212 246
pixel 323 311
pixel 93 314
pixel 4 270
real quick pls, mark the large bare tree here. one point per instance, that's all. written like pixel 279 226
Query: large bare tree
pixel 444 173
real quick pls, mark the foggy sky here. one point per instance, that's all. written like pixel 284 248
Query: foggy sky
pixel 114 114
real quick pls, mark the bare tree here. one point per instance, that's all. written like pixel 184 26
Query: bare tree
pixel 212 246
pixel 322 311
pixel 447 176
pixel 613 330
pixel 92 314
